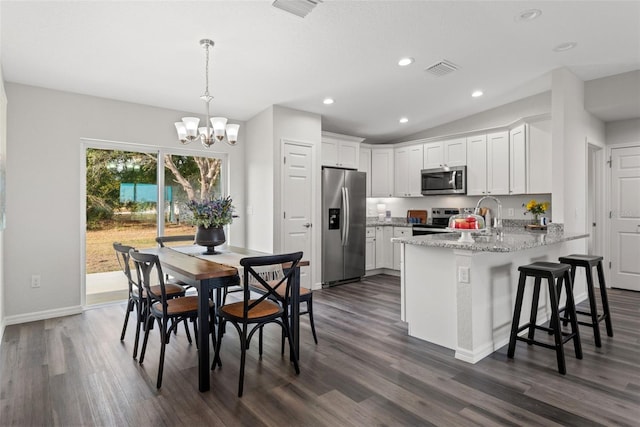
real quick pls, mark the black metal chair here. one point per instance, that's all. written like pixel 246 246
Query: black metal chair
pixel 168 312
pixel 270 307
pixel 137 295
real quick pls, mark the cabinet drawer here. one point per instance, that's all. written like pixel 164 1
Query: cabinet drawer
pixel 371 232
pixel 402 231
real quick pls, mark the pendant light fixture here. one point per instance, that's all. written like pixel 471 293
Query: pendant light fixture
pixel 188 129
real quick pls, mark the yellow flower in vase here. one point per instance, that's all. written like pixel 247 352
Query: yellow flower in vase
pixel 536 208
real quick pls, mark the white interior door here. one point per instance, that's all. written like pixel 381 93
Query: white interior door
pixel 625 218
pixel 296 203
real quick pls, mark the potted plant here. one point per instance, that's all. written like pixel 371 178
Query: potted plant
pixel 536 209
pixel 210 216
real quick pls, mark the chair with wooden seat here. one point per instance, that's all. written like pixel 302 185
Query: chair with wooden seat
pixel 306 296
pixel 270 307
pixel 168 312
pixel 190 238
pixel 137 295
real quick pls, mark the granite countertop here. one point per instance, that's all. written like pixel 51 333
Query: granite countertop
pixel 395 222
pixel 511 240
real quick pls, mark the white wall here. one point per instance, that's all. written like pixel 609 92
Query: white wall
pixel 623 131
pixel 259 181
pixel 572 127
pixel 616 96
pixel 45 128
pixel 496 117
pixel 3 164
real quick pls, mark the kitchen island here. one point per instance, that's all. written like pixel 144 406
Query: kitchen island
pixel 461 295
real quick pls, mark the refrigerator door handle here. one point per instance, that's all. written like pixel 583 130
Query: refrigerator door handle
pixel 347 216
pixel 343 237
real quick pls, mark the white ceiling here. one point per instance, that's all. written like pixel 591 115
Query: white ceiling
pixel 147 52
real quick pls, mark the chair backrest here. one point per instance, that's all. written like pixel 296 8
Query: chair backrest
pixel 161 240
pixel 122 253
pixel 254 273
pixel 145 265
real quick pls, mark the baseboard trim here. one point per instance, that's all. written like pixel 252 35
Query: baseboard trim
pixel 42 315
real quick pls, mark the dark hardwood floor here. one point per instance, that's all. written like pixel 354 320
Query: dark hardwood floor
pixel 74 371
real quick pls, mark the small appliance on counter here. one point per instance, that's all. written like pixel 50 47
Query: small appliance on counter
pixel 416 217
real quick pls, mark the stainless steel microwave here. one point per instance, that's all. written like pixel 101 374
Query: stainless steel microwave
pixel 450 180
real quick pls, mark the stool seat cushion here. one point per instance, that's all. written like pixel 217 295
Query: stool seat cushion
pixel 580 259
pixel 544 268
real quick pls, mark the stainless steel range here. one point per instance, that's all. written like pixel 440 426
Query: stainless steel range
pixel 438 221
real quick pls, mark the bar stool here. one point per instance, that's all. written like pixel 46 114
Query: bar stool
pixel 588 262
pixel 552 272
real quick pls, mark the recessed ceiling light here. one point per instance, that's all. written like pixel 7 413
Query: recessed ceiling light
pixel 328 101
pixel 403 120
pixel 477 93
pixel 528 15
pixel 405 61
pixel 565 46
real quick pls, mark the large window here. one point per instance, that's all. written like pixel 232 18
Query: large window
pixel 122 197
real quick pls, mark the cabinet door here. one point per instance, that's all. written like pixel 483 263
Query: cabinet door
pixel 379 247
pixel 399 232
pixel 498 163
pixel 382 172
pixel 348 154
pixel 517 160
pixel 433 155
pixel 455 152
pixel 370 249
pixel 414 178
pixel 329 152
pixel 365 166
pixel 539 157
pixel 387 259
pixel 401 159
pixel 477 165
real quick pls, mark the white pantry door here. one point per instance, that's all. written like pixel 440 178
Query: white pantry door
pixel 625 218
pixel 296 204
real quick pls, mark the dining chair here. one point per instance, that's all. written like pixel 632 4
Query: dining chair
pixel 167 312
pixel 269 307
pixel 137 295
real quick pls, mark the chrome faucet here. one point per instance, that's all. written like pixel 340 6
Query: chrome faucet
pixel 497 221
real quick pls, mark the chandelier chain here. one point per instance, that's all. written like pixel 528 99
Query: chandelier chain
pixel 206 73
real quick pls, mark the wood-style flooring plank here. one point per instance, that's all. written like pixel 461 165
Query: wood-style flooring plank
pixel 365 371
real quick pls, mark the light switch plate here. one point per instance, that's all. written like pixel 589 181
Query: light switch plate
pixel 463 274
pixel 510 213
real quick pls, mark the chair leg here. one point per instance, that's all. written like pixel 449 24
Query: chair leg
pixel 195 331
pixel 216 354
pixel 311 322
pixel 555 319
pixel 534 309
pixel 516 316
pixel 605 300
pixel 148 323
pixel 571 306
pixel 126 318
pixel 139 321
pixel 163 344
pixel 294 355
pixel 243 357
pixel 186 329
pixel 260 341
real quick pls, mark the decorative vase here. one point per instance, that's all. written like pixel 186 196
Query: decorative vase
pixel 536 219
pixel 210 237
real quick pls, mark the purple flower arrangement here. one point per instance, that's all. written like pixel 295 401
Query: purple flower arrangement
pixel 214 212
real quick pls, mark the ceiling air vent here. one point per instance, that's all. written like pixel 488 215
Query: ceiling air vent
pixel 441 68
pixel 299 8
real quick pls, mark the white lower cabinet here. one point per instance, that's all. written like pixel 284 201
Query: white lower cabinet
pixel 370 249
pixel 399 232
pixel 384 250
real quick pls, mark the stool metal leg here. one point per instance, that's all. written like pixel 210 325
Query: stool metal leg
pixel 571 306
pixel 557 332
pixel 516 316
pixel 605 300
pixel 593 307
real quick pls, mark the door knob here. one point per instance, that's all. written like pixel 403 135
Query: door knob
pixel 307 225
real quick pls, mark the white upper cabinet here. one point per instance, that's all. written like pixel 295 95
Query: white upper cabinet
pixel 381 172
pixel 451 152
pixel 518 160
pixel 365 166
pixel 539 157
pixel 488 164
pixel 340 150
pixel 408 164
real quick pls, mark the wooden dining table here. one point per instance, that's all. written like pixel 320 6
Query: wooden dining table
pixel 190 266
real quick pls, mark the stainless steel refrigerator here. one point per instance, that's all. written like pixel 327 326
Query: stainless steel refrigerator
pixel 343 225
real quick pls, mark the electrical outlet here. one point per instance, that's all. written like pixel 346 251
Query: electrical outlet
pixel 35 281
pixel 510 212
pixel 463 274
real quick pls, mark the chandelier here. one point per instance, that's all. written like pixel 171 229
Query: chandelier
pixel 188 129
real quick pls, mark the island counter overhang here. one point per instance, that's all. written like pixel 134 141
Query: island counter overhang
pixel 461 295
